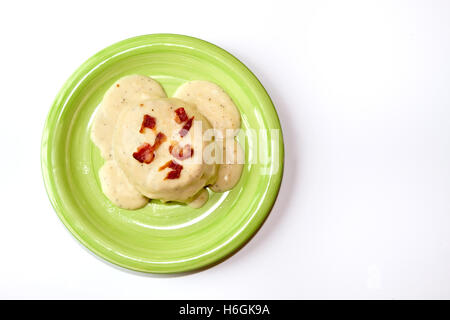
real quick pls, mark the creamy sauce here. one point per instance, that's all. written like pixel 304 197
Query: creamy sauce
pixel 213 102
pixel 147 178
pixel 230 171
pixel 129 183
pixel 199 200
pixel 126 92
pixel 217 106
pixel 118 189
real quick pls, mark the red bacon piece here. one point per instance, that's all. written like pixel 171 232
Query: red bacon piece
pixel 175 172
pixel 181 153
pixel 145 153
pixel 147 122
pixel 160 138
pixel 187 126
pixel 180 115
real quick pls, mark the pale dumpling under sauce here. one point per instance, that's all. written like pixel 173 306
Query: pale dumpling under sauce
pixel 153 145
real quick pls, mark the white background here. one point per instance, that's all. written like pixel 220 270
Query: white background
pixel 362 91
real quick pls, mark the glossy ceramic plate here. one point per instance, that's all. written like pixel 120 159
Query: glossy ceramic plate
pixel 159 238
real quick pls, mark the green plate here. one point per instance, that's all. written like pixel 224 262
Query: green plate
pixel 160 238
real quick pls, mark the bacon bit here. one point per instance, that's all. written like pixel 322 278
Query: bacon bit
pixel 176 169
pixel 166 165
pixel 181 153
pixel 160 138
pixel 148 122
pixel 180 115
pixel 117 85
pixel 146 153
pixel 174 174
pixel 187 126
pixel 141 105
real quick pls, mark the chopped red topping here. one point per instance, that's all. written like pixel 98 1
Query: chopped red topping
pixel 148 122
pixel 181 153
pixel 174 174
pixel 176 169
pixel 145 153
pixel 160 138
pixel 168 164
pixel 187 126
pixel 180 115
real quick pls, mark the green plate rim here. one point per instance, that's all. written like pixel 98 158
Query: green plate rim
pixel 238 240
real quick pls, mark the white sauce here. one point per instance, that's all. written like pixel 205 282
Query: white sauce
pixel 199 200
pixel 147 178
pixel 213 102
pixel 129 183
pixel 230 171
pixel 126 92
pixel 118 189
